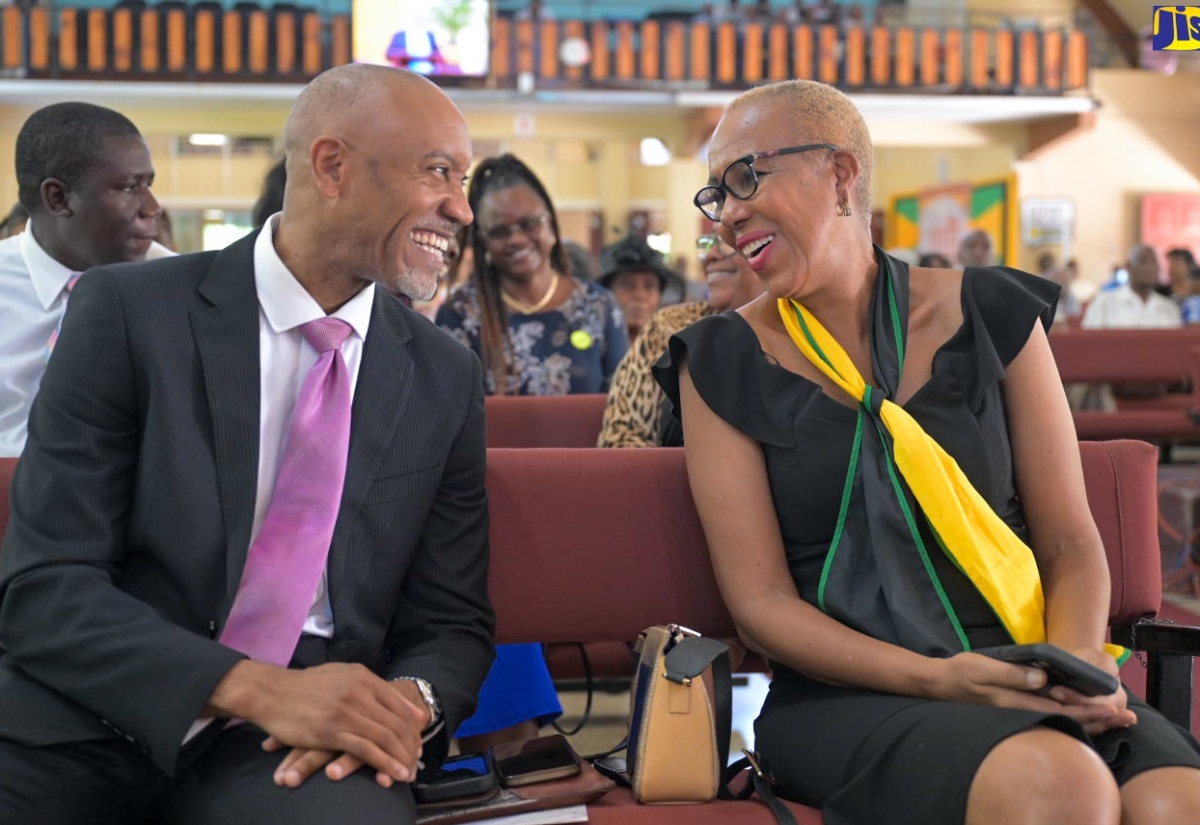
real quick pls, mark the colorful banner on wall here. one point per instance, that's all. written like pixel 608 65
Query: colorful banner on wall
pixel 933 220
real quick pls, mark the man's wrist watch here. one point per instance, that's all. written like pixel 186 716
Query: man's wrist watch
pixel 428 697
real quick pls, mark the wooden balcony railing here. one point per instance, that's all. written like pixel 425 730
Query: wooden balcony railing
pixel 173 41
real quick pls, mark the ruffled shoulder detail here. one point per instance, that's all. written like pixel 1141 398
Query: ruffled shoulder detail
pixel 734 377
pixel 1000 307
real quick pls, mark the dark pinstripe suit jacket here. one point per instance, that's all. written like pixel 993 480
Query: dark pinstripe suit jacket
pixel 133 503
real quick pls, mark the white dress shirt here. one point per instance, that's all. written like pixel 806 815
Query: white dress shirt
pixel 1122 308
pixel 33 298
pixel 32 301
pixel 284 360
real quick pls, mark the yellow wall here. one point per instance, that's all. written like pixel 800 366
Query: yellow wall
pixel 1143 139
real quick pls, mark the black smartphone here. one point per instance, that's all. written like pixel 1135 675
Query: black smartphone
pixel 535 760
pixel 465 778
pixel 1061 667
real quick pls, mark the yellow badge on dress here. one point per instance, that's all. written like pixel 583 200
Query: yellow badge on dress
pixel 581 339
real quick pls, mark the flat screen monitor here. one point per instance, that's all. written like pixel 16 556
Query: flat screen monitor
pixel 440 38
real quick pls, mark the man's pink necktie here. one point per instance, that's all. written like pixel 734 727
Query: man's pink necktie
pixel 74 279
pixel 284 564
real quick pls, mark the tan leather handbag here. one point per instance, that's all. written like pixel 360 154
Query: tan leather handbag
pixel 678 730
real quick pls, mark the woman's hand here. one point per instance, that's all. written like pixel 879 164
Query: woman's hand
pixel 1122 717
pixel 981 680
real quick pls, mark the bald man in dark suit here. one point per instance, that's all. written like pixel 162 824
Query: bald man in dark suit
pixel 153 448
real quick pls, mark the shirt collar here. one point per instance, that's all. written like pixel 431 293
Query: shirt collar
pixel 286 304
pixel 49 277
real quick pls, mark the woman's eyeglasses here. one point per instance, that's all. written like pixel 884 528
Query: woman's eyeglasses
pixel 707 245
pixel 527 226
pixel 741 181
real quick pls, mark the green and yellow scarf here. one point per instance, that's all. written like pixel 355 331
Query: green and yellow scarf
pixel 987 551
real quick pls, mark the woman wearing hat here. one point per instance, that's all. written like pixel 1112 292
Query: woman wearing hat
pixel 634 416
pixel 635 273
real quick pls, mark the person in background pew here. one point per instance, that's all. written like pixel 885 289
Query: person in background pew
pixel 975 249
pixel 245 574
pixel 1179 266
pixel 888 478
pixel 84 176
pixel 633 415
pixel 1189 307
pixel 635 273
pixel 1136 304
pixel 537 329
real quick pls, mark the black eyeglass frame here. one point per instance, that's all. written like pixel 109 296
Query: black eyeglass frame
pixel 720 190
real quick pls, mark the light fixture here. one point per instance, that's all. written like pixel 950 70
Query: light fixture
pixel 208 139
pixel 654 152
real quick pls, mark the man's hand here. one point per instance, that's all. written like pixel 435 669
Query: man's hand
pixel 336 716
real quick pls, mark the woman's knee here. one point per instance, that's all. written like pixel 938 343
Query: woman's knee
pixel 1043 776
pixel 1163 796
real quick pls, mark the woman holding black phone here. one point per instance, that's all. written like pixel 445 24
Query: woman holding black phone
pixel 888 477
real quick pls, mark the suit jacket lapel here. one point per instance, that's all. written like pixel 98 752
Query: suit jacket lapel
pixel 226 335
pixel 379 400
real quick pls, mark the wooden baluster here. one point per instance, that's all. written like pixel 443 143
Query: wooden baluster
pixel 905 57
pixel 1052 59
pixel 931 63
pixel 39 38
pixel 881 56
pixel 601 65
pixel 260 43
pixel 525 47
pixel 827 65
pixel 1077 60
pixel 205 38
pixel 97 40
pixel 856 66
pixel 231 42
pixel 752 53
pixel 122 51
pixel 313 60
pixel 68 39
pixel 676 56
pixel 980 62
pixel 1029 60
pixel 339 45
pixel 953 57
pixel 501 59
pixel 726 53
pixel 176 40
pixel 802 42
pixel 1004 59
pixel 626 58
pixel 13 57
pixel 548 49
pixel 777 52
pixel 701 43
pixel 151 57
pixel 285 43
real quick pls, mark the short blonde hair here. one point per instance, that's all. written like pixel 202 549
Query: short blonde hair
pixel 821 114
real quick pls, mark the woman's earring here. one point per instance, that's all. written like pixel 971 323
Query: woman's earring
pixel 487 258
pixel 846 210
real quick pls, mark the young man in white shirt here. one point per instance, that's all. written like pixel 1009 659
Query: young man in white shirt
pixel 84 174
